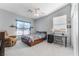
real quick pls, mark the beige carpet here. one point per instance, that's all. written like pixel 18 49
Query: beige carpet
pixel 41 49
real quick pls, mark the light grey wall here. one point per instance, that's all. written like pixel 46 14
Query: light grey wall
pixel 7 19
pixel 78 29
pixel 74 29
pixel 46 23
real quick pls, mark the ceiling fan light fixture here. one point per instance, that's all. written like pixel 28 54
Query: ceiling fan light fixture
pixel 36 14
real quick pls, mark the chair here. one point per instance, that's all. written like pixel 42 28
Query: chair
pixel 10 40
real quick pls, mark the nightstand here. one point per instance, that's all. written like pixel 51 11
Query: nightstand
pixel 50 38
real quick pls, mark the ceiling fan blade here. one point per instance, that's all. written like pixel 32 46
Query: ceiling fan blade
pixel 29 10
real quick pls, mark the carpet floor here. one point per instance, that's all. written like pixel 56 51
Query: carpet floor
pixel 41 49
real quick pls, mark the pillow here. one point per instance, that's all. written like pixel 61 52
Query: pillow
pixel 24 37
pixel 41 35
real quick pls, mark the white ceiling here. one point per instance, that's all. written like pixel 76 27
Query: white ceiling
pixel 22 8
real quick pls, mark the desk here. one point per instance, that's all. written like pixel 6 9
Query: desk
pixel 60 38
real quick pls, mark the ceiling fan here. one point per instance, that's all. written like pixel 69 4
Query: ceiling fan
pixel 35 12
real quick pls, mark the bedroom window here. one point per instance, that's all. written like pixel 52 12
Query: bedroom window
pixel 23 28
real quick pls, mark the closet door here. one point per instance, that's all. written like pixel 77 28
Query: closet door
pixel 2 45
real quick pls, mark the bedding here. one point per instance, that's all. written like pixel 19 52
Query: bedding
pixel 34 38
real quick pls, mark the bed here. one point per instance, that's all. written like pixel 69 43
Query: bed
pixel 34 39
